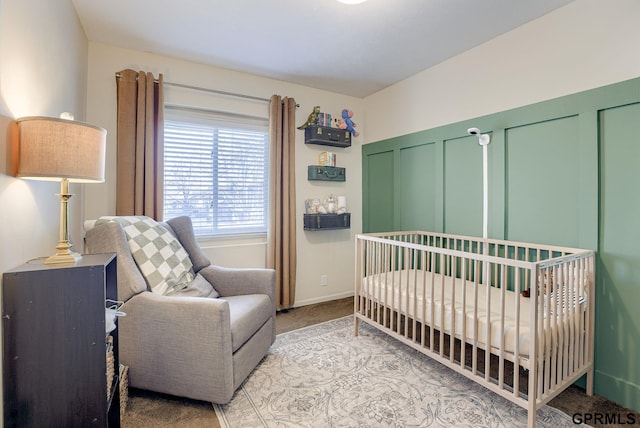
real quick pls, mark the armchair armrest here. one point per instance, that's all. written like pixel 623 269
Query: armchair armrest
pixel 110 238
pixel 171 340
pixel 238 281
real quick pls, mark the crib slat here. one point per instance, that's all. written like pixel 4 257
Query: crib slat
pixel 388 270
pixel 390 288
pixel 487 283
pixel 452 336
pixel 381 253
pixel 568 311
pixel 367 259
pixel 423 330
pixel 406 262
pixel 553 338
pixel 566 308
pixel 432 302
pixel 463 336
pixel 590 323
pixel 582 334
pixel 547 339
pixel 416 265
pixel 580 345
pixel 368 283
pixel 503 294
pixel 443 262
pixel 516 345
pixel 476 279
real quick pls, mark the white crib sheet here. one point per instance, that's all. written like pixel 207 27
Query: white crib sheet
pixel 379 289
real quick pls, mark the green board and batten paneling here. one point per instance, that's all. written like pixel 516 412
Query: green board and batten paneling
pixel 543 182
pixel 618 292
pixel 563 172
pixel 417 174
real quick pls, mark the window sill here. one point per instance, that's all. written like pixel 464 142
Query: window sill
pixel 235 238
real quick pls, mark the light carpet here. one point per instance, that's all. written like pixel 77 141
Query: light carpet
pixel 324 376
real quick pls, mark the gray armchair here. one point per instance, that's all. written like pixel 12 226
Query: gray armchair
pixel 187 345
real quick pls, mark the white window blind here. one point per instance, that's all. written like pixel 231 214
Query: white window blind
pixel 216 171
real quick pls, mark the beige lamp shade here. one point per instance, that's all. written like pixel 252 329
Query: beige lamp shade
pixel 61 150
pixel 54 149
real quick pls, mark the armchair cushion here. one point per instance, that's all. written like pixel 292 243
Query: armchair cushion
pixel 163 261
pixel 247 314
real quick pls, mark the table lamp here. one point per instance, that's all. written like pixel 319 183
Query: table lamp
pixel 53 149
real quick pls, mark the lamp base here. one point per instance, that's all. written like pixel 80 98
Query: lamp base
pixel 63 249
pixel 70 258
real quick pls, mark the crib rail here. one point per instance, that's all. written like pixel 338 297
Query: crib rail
pixel 492 310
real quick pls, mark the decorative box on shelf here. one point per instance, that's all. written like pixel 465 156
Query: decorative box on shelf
pixel 327 159
pixel 326 173
pixel 327 221
pixel 324 119
pixel 327 136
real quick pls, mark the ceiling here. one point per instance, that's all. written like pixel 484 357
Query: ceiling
pixel 349 49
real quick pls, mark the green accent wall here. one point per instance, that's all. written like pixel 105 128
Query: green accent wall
pixel 543 181
pixel 618 322
pixel 563 172
pixel 417 176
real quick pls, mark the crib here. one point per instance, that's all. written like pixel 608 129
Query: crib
pixel 514 317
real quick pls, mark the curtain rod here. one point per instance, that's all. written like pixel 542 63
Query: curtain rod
pixel 215 91
pixel 206 110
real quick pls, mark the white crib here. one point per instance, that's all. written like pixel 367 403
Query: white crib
pixel 484 308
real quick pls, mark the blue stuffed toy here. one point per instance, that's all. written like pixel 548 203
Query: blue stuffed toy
pixel 347 123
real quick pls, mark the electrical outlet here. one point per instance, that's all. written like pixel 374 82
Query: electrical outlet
pixel 324 281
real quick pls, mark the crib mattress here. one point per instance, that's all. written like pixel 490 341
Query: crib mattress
pixel 390 289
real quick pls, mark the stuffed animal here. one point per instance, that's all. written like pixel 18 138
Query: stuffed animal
pixel 347 123
pixel 312 119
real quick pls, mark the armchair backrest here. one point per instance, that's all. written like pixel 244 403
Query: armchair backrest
pixel 182 228
pixel 110 237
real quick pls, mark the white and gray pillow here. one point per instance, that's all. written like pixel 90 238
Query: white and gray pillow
pixel 163 261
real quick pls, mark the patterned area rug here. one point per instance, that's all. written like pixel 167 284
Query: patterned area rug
pixel 324 376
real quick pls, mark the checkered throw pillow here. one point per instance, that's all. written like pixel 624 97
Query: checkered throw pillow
pixel 163 261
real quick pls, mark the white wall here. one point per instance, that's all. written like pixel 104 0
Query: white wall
pixel 42 73
pixel 328 252
pixel 43 60
pixel 584 45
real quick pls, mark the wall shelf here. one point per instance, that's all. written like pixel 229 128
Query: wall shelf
pixel 327 221
pixel 326 173
pixel 327 136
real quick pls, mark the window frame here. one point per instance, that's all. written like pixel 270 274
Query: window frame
pixel 222 121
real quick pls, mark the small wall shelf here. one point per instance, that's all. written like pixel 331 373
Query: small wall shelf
pixel 326 173
pixel 327 221
pixel 327 136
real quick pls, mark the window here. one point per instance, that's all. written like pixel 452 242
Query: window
pixel 216 171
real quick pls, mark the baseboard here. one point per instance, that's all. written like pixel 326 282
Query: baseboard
pixel 328 298
pixel 618 390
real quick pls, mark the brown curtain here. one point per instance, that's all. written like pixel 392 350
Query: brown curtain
pixel 281 242
pixel 140 136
